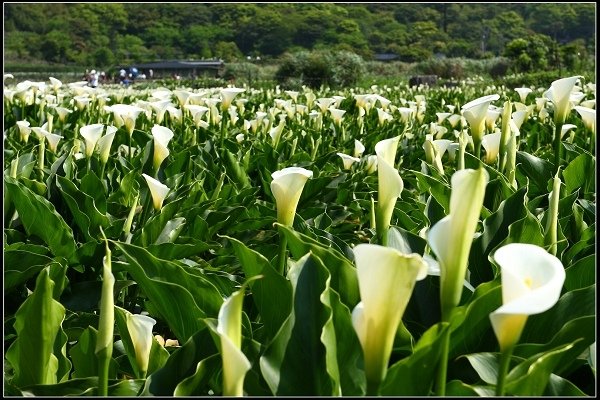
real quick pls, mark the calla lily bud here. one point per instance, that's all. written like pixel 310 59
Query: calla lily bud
pixel 386 278
pixel 531 283
pixel 452 236
pixel 53 140
pixel 371 164
pixel 287 188
pixel 551 232
pixel 91 134
pixel 140 331
pixel 158 191
pixel 229 328
pixel 107 306
pixel 390 184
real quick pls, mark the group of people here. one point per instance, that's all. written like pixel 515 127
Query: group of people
pixel 93 78
pixel 125 77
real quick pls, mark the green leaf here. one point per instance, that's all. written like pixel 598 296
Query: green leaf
pixel 538 170
pixel 37 214
pixel 525 230
pixel 295 362
pixel 558 386
pixel 540 328
pixel 182 364
pixel 83 354
pixel 530 377
pixel 457 388
pixel 181 297
pixel 235 170
pixel 439 190
pixel 195 385
pixel 414 375
pixel 471 327
pixel 38 327
pixel 343 273
pixel 486 366
pixel 581 274
pixel 87 387
pixel 272 294
pixel 580 173
pixel 20 265
pixel 580 331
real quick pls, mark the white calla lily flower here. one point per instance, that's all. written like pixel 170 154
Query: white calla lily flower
pixel 348 160
pixel 140 331
pixel 491 144
pixel 559 94
pixel 227 96
pixel 386 278
pixel 475 112
pixel 531 283
pixel 158 191
pixel 287 186
pixel 105 142
pixel 161 135
pixel 91 134
pixel 24 130
pixel 359 148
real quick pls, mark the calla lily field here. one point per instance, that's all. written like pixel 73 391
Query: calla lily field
pixel 235 241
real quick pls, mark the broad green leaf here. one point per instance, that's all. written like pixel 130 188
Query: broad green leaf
pixel 470 325
pixel 538 170
pixel 530 377
pixel 87 387
pixel 295 362
pixel 540 328
pixel 525 230
pixel 439 190
pixel 20 265
pixel 486 366
pixel 235 170
pixel 581 274
pixel 182 364
pixel 343 273
pixel 184 248
pixel 415 374
pixel 579 331
pixel 272 294
pixel 460 389
pixel 182 298
pixel 83 354
pixel 37 214
pixel 580 173
pixel 38 327
pixel 196 384
pixel 558 386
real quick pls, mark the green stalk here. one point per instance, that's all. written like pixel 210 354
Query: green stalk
pixel 443 364
pixel 129 221
pixel 557 146
pixel 130 153
pixel 104 344
pixel 282 259
pixel 503 371
pixel 41 156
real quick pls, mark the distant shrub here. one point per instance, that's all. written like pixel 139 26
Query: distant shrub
pixel 446 68
pixel 499 68
pixel 320 68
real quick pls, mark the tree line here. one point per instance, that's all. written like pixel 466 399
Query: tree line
pixel 104 34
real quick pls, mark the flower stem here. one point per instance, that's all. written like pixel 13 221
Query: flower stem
pixel 557 146
pixel 503 370
pixel 443 365
pixel 104 357
pixel 282 259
